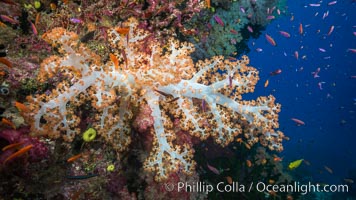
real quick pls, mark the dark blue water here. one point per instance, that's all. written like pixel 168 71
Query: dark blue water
pixel 329 135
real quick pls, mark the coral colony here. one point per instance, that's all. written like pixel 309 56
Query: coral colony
pixel 144 77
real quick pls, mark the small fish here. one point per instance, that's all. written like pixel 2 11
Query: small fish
pixel 314 4
pixel 242 9
pixel 284 34
pixel 8 123
pixel 322 50
pixel 296 55
pixel 114 60
pixel 348 180
pixel 5 62
pixel 270 40
pixel 6 18
pixel 19 153
pixel 259 49
pixel 351 50
pixel 34 29
pixel 213 169
pixel 316 73
pixel 229 180
pixel 325 14
pixel 306 162
pixel 266 83
pixel 12 146
pixel 275 72
pixel 248 163
pixel 76 21
pixel 21 107
pixel 301 29
pixel 295 164
pixel 332 3
pixel 328 169
pixel 218 20
pixel 320 85
pixel 249 28
pixel 73 158
pixel 38 18
pixel 270 17
pixel 331 30
pixel 298 121
pixel 277 159
pixel 233 31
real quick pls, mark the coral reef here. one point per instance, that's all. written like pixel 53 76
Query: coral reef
pixel 205 97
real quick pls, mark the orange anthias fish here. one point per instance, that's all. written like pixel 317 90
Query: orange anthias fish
pixel 301 28
pixel 114 59
pixel 12 146
pixel 21 107
pixel 73 158
pixel 266 83
pixel 6 62
pixel 123 31
pixel 8 123
pixel 19 153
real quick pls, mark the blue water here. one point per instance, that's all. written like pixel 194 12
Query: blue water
pixel 328 137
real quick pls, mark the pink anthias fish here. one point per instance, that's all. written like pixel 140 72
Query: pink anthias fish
pixel 332 3
pixel 298 121
pixel 218 20
pixel 320 85
pixel 76 21
pixel 213 169
pixel 316 73
pixel 259 49
pixel 322 50
pixel 331 30
pixel 33 27
pixel 351 50
pixel 270 40
pixel 325 14
pixel 6 18
pixel 284 34
pixel 314 4
pixel 249 28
